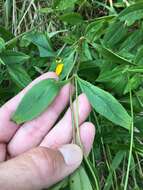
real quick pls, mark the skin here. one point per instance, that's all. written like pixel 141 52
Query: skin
pixel 40 153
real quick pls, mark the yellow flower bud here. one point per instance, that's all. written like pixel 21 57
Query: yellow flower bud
pixel 59 68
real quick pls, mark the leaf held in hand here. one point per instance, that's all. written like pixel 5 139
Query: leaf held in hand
pixel 37 99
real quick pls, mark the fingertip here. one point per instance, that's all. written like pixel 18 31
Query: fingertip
pixel 49 75
pixel 72 154
pixel 67 90
pixel 87 134
pixel 44 76
pixel 84 100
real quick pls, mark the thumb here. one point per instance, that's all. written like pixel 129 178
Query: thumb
pixel 39 168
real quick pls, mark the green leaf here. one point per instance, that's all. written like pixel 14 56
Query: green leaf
pixel 19 75
pixel 132 41
pixel 42 41
pixel 37 99
pixel 12 57
pixel 68 62
pixel 46 10
pixel 115 164
pixel 85 52
pixel 94 30
pixel 105 104
pixel 59 186
pixel 114 57
pixel 132 13
pixel 1 62
pixel 2 44
pixel 89 70
pixel 139 57
pixel 112 37
pixel 133 83
pixel 114 79
pixel 109 75
pixel 65 4
pixel 79 180
pixel 137 100
pixel 5 34
pixel 52 34
pixel 72 18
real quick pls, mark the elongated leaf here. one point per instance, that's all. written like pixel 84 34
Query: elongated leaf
pixel 5 34
pixel 37 99
pixel 12 57
pixel 112 37
pixel 68 64
pixel 1 62
pixel 60 185
pixel 114 79
pixel 65 4
pixel 133 83
pixel 111 56
pixel 85 54
pixel 2 44
pixel 72 18
pixel 79 180
pixel 132 41
pixel 42 41
pixel 115 163
pixel 95 29
pixel 105 104
pixel 46 10
pixel 132 13
pixel 19 75
pixel 139 56
pixel 137 100
pixel 53 34
pixel 109 75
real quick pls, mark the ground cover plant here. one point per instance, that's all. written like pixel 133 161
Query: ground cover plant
pixel 97 46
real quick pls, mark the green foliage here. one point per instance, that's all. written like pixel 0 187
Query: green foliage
pixel 64 4
pixel 13 57
pixel 42 42
pixel 71 18
pixel 100 46
pixel 37 99
pixel 105 104
pixel 2 44
pixel 79 180
pixel 132 13
pixel 18 75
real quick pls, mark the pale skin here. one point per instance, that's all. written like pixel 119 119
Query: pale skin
pixel 40 153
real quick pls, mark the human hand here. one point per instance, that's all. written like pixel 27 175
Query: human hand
pixel 36 155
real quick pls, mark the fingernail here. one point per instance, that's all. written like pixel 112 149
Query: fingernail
pixel 72 154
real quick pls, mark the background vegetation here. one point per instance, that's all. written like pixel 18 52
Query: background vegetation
pixel 102 42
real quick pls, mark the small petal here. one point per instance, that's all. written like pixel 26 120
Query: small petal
pixel 59 68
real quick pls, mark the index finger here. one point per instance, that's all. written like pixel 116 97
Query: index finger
pixel 7 127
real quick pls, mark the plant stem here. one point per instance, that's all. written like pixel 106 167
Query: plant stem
pixel 131 142
pixel 72 115
pixel 79 139
pixel 92 172
pixel 76 116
